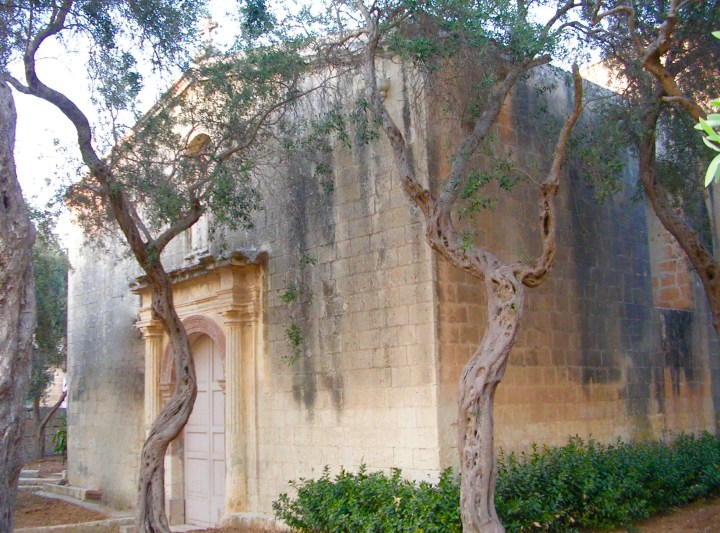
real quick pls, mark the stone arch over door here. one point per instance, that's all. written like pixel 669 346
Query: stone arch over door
pixel 195 326
pixel 220 300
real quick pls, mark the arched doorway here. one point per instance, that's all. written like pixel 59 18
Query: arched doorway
pixel 204 439
pixel 220 300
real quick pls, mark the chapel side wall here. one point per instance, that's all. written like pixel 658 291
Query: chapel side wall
pixel 363 387
pixel 105 376
pixel 592 357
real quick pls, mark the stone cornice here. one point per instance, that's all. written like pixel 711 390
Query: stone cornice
pixel 204 266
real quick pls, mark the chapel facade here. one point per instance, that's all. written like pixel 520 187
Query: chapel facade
pixel 362 365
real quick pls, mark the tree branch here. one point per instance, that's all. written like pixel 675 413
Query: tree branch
pixel 533 276
pixel 652 62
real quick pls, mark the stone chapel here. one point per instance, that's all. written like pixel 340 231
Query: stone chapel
pixel 617 343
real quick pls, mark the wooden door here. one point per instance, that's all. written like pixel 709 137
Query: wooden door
pixel 205 440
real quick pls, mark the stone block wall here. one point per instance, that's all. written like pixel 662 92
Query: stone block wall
pixel 382 327
pixel 105 374
pixel 363 386
pixel 595 354
pixel 28 443
pixel 672 282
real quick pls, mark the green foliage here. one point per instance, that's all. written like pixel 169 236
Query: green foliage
pixel 306 260
pixel 50 264
pixel 256 19
pixel 296 295
pixel 371 502
pixel 588 485
pixel 160 30
pixel 709 126
pixel 577 487
pixel 439 30
pixel 60 437
pixel 290 294
pixel 691 48
pixel 600 146
pixel 295 340
pixel 367 127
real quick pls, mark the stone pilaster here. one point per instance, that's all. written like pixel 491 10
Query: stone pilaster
pixel 235 443
pixel 153 335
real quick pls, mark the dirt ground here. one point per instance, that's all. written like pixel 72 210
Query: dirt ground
pixel 47 466
pixel 33 511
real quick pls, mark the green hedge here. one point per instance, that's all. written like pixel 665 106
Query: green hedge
pixel 571 488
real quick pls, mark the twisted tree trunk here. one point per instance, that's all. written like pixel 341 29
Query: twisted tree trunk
pixel 701 258
pixel 504 283
pixel 478 382
pixel 150 515
pixel 17 310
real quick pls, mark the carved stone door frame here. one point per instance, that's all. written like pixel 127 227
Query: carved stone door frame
pixel 221 299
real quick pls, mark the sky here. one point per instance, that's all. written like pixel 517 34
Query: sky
pixel 45 138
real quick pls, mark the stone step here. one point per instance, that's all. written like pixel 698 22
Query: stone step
pixel 39 480
pixel 112 525
pixel 175 529
pixel 29 474
pixel 30 488
pixel 90 495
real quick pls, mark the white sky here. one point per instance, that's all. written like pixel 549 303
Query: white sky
pixel 42 164
pixel 40 124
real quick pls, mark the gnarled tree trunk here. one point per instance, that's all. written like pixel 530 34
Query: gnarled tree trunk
pixel 150 515
pixel 478 382
pixel 505 283
pixel 17 310
pixel 702 259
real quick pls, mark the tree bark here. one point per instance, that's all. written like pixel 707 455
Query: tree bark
pixel 150 515
pixel 42 424
pixel 17 310
pixel 478 382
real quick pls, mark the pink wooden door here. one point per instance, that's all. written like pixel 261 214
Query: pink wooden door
pixel 205 440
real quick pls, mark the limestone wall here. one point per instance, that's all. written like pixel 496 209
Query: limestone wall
pixel 105 375
pixel 594 356
pixel 361 387
pixel 382 327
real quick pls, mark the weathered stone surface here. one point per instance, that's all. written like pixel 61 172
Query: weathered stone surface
pixel 387 328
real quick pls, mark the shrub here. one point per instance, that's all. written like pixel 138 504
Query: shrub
pixel 372 502
pixel 60 437
pixel 583 485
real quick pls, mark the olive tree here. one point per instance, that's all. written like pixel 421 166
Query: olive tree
pixel 192 154
pixel 504 42
pixel 660 52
